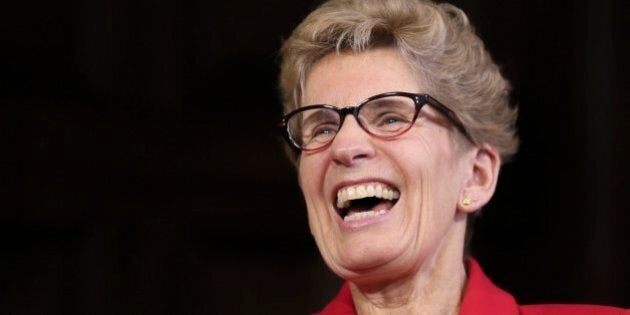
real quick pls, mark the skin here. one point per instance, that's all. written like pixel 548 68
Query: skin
pixel 410 260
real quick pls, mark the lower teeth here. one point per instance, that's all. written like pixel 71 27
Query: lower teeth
pixel 363 215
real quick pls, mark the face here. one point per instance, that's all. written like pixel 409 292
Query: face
pixel 416 178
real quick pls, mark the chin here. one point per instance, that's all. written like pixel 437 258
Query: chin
pixel 367 255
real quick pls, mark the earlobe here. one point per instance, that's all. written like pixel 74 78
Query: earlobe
pixel 481 183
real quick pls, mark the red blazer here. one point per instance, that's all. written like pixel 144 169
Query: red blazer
pixel 482 297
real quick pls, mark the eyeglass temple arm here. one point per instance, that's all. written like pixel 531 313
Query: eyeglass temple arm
pixel 451 115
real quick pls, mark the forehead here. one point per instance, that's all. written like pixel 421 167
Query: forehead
pixel 347 78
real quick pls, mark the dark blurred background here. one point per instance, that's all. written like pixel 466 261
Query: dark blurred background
pixel 143 173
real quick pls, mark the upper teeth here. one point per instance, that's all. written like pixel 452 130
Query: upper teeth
pixel 344 195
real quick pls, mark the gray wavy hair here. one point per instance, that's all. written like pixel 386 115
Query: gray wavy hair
pixel 437 41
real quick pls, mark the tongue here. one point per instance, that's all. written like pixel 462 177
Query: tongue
pixel 363 207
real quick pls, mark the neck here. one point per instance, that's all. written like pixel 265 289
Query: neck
pixel 435 287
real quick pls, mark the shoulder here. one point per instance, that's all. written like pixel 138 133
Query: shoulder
pixel 561 309
pixel 481 296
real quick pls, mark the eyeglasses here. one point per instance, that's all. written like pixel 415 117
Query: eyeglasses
pixel 384 116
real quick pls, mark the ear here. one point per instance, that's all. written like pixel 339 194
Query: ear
pixel 481 181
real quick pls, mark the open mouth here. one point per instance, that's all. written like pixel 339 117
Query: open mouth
pixel 365 201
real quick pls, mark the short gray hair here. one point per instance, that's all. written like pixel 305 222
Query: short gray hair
pixel 438 42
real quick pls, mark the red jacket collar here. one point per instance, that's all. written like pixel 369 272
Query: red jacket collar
pixel 480 296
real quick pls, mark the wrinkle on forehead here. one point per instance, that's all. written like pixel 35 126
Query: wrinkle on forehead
pixel 345 79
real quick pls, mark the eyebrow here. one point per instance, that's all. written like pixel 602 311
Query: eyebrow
pixel 317 115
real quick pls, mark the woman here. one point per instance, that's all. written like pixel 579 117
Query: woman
pixel 398 122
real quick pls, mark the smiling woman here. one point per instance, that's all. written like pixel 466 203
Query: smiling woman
pixel 398 122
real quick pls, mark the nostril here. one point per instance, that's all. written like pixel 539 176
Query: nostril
pixel 350 155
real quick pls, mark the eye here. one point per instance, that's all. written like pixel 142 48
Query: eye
pixel 319 126
pixel 324 130
pixel 388 115
pixel 390 122
pixel 390 118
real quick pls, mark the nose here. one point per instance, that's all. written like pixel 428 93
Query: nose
pixel 352 145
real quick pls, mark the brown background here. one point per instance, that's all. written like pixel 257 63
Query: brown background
pixel 142 172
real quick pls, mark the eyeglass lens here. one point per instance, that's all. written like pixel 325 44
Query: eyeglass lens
pixel 386 117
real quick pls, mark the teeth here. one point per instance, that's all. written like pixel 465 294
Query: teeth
pixel 345 195
pixel 363 215
pixel 361 191
pixel 371 190
pixel 351 193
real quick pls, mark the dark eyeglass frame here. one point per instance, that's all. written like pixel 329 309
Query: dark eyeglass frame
pixel 419 100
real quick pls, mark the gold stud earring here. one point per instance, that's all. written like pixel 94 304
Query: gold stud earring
pixel 466 201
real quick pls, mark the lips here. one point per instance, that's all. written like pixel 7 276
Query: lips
pixel 366 200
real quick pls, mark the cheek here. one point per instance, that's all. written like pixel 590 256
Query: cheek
pixel 430 168
pixel 310 177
